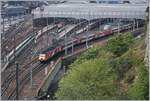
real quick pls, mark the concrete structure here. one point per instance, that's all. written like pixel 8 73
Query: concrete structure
pixel 14 11
pixel 110 1
pixel 92 11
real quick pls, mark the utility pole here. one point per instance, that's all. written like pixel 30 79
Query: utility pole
pixel 17 80
pixel 87 34
pixel 17 68
pixel 31 76
pixel 47 22
pixel 3 38
pixel 137 24
pixel 87 31
pixel 65 43
pixel 72 38
pixel 72 46
pixel 100 24
pixel 3 28
pixel 10 21
pixel 32 54
pixel 30 70
pixel 118 26
pixel 133 24
pixel 47 33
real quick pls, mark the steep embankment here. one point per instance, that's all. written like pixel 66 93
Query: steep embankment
pixel 115 70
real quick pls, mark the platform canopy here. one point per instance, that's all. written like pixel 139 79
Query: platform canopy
pixel 92 11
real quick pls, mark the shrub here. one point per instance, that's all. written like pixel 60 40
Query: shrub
pixel 120 43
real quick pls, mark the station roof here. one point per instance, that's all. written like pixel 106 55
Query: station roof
pixel 92 11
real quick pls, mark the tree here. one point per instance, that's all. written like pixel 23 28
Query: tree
pixel 120 43
pixel 92 79
pixel 121 65
pixel 114 71
pixel 91 53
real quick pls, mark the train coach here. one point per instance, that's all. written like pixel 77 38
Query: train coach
pixel 52 51
pixel 49 53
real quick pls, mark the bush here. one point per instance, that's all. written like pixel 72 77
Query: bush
pixel 91 53
pixel 140 88
pixel 115 71
pixel 120 43
pixel 121 65
pixel 93 79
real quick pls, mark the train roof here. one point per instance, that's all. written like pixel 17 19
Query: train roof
pixel 50 48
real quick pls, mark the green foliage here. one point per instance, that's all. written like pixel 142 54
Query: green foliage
pixel 137 72
pixel 114 71
pixel 91 53
pixel 140 88
pixel 121 65
pixel 93 79
pixel 120 43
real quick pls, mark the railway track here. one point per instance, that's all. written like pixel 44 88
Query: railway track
pixel 11 73
pixel 81 48
pixel 25 79
pixel 19 38
pixel 11 76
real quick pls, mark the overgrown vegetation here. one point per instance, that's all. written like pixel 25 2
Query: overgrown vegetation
pixel 112 71
pixel 119 44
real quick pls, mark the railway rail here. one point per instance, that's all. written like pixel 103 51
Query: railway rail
pixel 24 80
pixel 81 48
pixel 11 76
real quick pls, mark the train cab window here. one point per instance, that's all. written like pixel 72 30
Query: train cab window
pixel 42 55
